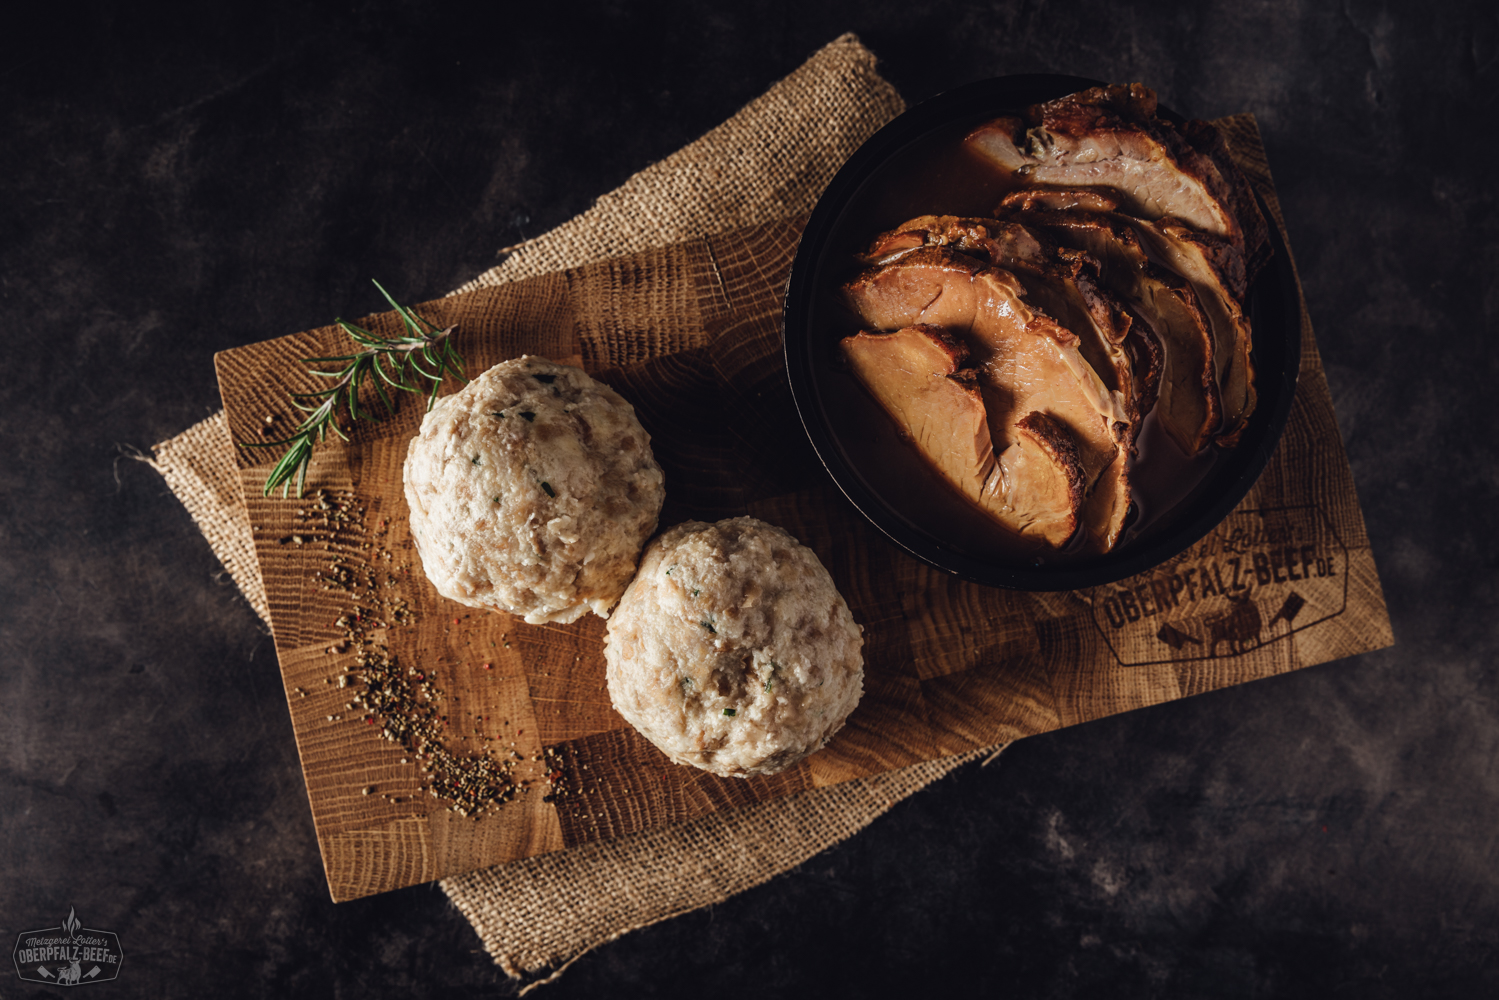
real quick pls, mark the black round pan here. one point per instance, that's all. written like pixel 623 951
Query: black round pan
pixel 820 387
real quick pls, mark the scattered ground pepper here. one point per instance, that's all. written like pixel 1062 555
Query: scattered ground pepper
pixel 402 702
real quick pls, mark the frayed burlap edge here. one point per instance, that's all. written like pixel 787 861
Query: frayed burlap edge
pixel 546 912
pixel 200 469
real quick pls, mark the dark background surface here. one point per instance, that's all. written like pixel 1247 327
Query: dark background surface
pixel 177 181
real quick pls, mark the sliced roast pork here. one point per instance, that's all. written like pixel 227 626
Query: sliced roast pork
pixel 1224 259
pixel 917 374
pixel 1209 142
pixel 1089 199
pixel 1188 403
pixel 1023 354
pixel 1215 270
pixel 1027 363
pixel 930 285
pixel 1063 282
pixel 1046 468
pixel 1110 137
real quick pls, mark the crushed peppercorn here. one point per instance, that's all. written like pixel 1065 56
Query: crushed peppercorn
pixel 402 703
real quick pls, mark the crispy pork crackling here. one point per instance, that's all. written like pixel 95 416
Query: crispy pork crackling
pixel 732 650
pixel 532 491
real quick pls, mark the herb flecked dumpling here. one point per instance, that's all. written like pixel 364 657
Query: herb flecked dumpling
pixel 732 650
pixel 532 491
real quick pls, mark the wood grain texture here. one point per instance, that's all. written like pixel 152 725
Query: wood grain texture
pixel 690 334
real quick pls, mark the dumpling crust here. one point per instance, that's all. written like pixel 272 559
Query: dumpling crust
pixel 532 491
pixel 732 650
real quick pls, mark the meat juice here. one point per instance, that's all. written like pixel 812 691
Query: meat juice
pixel 939 175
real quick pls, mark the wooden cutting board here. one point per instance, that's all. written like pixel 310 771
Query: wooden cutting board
pixel 690 335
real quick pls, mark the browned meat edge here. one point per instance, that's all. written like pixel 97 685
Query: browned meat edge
pixel 1053 437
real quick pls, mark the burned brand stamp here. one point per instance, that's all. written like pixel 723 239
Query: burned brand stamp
pixel 1259 577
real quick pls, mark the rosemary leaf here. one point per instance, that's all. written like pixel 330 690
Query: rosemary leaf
pixel 399 354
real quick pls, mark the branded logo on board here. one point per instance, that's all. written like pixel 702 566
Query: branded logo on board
pixel 68 955
pixel 1259 577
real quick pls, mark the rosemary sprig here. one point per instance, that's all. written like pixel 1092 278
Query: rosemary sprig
pixel 423 352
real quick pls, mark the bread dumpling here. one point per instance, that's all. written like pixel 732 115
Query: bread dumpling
pixel 732 650
pixel 532 490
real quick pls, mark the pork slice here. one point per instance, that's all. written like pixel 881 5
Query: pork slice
pixel 1049 497
pixel 1026 362
pixel 1237 194
pixel 1225 260
pixel 1147 359
pixel 1216 273
pixel 1089 199
pixel 1061 281
pixel 1188 404
pixel 893 245
pixel 1108 505
pixel 1029 363
pixel 1110 137
pixel 1195 256
pixel 987 240
pixel 917 376
pixel 1067 285
pixel 930 285
pixel 997 142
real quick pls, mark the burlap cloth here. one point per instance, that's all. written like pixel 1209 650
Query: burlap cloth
pixel 771 160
